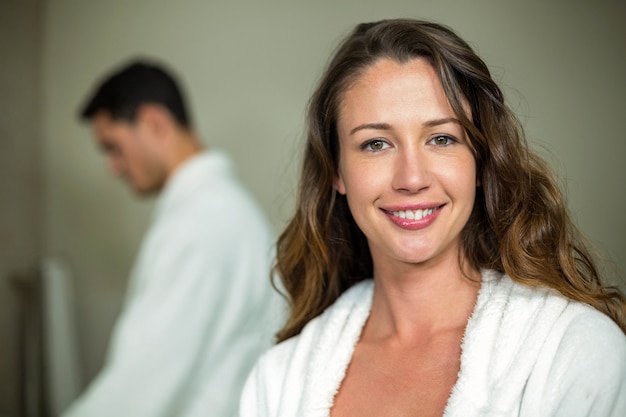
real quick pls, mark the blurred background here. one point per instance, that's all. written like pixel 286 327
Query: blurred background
pixel 248 68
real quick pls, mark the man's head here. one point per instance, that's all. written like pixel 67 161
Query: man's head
pixel 141 124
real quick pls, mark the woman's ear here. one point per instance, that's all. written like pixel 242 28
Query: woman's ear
pixel 339 184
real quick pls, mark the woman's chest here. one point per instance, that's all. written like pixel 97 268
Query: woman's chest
pixel 414 381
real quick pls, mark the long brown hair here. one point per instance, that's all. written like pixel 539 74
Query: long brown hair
pixel 519 224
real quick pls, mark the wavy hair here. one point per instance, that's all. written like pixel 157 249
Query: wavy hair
pixel 519 224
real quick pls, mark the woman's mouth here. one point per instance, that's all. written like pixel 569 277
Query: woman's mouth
pixel 414 214
pixel 414 219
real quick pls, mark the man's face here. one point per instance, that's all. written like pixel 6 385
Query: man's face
pixel 132 152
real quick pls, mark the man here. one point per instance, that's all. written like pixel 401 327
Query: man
pixel 196 313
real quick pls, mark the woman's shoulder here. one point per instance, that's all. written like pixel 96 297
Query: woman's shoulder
pixel 588 333
pixel 277 383
pixel 575 316
pixel 542 306
pixel 282 371
pixel 533 345
pixel 582 364
pixel 352 305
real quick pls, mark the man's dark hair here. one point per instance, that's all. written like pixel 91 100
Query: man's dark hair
pixel 140 82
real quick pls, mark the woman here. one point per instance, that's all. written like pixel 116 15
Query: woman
pixel 431 265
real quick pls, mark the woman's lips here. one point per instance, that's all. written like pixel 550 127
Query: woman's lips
pixel 413 219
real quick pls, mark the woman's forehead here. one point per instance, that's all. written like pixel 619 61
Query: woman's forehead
pixel 382 75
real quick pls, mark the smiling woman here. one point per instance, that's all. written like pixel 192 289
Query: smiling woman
pixel 431 265
pixel 404 154
pixel 410 195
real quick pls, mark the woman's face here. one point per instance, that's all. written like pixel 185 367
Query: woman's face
pixel 405 166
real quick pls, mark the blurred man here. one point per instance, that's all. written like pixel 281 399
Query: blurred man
pixel 195 317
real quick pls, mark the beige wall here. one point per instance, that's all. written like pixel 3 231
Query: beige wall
pixel 249 67
pixel 20 170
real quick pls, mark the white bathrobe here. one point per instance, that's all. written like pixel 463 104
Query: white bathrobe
pixel 199 306
pixel 526 352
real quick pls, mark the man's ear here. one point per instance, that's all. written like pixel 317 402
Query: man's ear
pixel 154 118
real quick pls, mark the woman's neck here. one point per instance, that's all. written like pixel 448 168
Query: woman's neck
pixel 412 301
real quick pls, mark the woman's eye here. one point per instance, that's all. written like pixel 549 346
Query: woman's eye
pixel 375 145
pixel 442 140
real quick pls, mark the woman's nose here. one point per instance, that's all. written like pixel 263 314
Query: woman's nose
pixel 411 172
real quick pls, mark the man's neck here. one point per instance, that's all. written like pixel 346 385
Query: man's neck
pixel 183 147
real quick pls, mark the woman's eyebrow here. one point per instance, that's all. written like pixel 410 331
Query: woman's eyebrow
pixel 386 126
pixel 439 122
pixel 375 126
